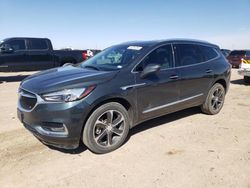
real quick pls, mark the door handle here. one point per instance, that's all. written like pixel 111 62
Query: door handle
pixel 174 77
pixel 209 71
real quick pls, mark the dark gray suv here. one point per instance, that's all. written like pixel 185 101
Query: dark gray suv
pixel 100 100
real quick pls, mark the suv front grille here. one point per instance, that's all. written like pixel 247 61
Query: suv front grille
pixel 27 100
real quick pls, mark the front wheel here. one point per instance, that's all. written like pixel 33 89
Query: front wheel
pixel 215 100
pixel 107 128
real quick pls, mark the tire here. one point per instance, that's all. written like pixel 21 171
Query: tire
pixel 107 128
pixel 247 79
pixel 214 100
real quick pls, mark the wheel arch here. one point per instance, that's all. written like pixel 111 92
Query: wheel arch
pixel 222 82
pixel 124 102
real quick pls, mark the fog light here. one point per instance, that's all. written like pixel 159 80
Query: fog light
pixel 52 126
pixel 52 129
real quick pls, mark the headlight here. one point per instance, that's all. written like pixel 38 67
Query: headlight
pixel 68 95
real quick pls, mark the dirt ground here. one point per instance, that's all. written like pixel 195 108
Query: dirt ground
pixel 184 149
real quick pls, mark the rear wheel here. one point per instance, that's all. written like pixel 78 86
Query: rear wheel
pixel 247 79
pixel 215 100
pixel 107 128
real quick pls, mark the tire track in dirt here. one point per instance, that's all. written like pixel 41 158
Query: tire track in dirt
pixel 18 144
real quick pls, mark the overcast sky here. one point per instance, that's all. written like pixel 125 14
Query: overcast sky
pixel 99 24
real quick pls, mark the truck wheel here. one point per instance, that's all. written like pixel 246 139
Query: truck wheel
pixel 107 128
pixel 247 79
pixel 215 100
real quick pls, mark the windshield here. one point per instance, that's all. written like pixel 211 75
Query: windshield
pixel 113 58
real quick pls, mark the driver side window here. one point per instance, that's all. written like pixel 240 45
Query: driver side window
pixel 15 44
pixel 162 56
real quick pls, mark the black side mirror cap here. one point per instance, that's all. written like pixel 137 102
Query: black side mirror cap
pixel 150 69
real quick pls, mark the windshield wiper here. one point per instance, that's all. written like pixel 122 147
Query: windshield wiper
pixel 91 67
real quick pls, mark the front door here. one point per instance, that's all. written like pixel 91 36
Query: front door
pixel 157 93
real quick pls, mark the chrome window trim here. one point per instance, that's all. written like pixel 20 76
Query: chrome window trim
pixel 170 104
pixel 173 52
pixel 203 62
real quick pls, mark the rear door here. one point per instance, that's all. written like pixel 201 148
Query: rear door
pixel 196 73
pixel 15 60
pixel 157 93
pixel 40 54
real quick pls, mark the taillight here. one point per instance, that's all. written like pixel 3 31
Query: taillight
pixel 84 55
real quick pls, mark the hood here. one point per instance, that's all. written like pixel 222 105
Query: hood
pixel 65 78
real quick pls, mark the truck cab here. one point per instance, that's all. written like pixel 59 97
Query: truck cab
pixel 26 54
pixel 31 54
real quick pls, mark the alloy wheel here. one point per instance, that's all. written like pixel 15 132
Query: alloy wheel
pixel 108 128
pixel 217 99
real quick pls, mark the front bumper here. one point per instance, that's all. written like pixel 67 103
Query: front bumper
pixel 71 115
pixel 244 72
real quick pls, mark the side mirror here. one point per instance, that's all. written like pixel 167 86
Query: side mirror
pixel 150 69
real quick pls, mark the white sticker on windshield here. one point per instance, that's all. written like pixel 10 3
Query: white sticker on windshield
pixel 134 47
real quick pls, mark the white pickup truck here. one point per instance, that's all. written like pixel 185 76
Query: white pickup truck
pixel 245 69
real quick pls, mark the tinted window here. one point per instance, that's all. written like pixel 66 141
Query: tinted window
pixel 162 56
pixel 238 52
pixel 18 44
pixel 188 54
pixel 248 53
pixel 38 44
pixel 208 53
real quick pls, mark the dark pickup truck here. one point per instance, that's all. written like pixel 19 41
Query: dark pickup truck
pixel 30 54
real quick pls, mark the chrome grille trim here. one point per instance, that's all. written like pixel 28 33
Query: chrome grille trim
pixel 39 100
pixel 28 94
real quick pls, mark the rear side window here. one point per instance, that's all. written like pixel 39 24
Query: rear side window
pixel 162 56
pixel 38 44
pixel 18 44
pixel 208 52
pixel 188 54
pixel 238 52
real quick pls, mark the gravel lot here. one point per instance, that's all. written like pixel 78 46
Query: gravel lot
pixel 184 149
